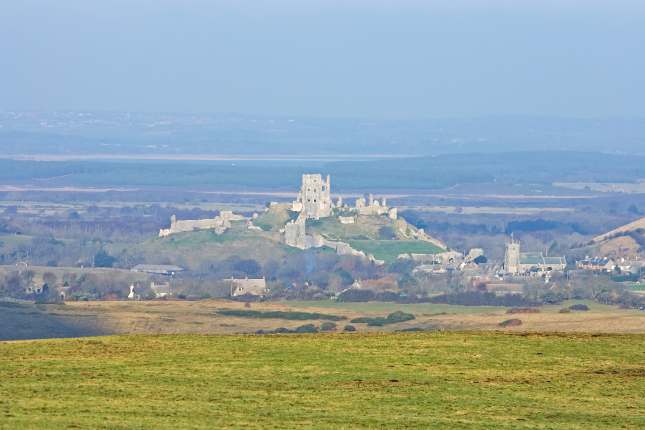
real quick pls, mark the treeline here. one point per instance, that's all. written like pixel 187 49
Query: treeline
pixel 476 298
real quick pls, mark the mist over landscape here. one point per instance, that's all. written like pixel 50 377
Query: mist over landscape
pixel 322 214
pixel 108 134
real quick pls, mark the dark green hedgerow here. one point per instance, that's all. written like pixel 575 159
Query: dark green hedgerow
pixel 295 316
pixel 393 318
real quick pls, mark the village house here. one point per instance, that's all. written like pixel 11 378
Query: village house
pixel 248 287
pixel 597 264
pixel 161 290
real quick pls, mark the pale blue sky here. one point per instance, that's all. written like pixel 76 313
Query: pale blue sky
pixel 399 59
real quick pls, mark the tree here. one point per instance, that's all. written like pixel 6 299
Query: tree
pixel 103 259
pixel 328 326
pixel 386 233
pixel 49 278
pixel 250 268
pixel 481 260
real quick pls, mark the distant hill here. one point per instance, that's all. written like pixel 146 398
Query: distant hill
pixel 625 241
pixel 628 228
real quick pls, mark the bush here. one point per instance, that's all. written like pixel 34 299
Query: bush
pixel 249 267
pixel 370 321
pixel 388 296
pixel 481 299
pixel 328 326
pixel 579 307
pixel 349 328
pixel 293 316
pixel 386 233
pixel 523 311
pixel 103 259
pixel 307 328
pixel 399 316
pixel 511 323
pixel 356 295
pixel 393 318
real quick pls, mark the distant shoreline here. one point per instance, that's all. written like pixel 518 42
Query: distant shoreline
pixel 202 157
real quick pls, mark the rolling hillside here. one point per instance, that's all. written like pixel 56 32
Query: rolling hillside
pixel 628 228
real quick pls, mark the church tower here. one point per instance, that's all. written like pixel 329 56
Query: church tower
pixel 512 257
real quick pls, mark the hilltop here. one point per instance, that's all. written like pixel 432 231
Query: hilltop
pixel 261 238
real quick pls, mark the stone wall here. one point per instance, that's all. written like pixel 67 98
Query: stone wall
pixel 219 224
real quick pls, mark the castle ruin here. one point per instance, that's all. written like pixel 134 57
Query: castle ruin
pixel 314 199
pixel 294 233
pixel 219 224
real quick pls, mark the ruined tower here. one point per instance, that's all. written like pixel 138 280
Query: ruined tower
pixel 314 199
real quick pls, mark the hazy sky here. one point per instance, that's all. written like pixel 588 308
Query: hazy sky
pixel 325 58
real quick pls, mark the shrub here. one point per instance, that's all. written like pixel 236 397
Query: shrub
pixel 393 318
pixel 349 328
pixel 307 328
pixel 523 311
pixel 103 259
pixel 294 316
pixel 473 298
pixel 328 326
pixel 355 295
pixel 511 323
pixel 386 233
pixel 399 316
pixel 388 296
pixel 579 307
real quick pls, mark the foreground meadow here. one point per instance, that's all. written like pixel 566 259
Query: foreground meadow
pixel 367 380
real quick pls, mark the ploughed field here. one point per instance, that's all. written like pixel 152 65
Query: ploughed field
pixel 367 380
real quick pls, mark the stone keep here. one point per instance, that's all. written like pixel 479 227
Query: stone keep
pixel 314 199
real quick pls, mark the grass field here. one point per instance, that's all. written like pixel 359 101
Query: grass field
pixel 389 250
pixel 393 381
pixel 28 321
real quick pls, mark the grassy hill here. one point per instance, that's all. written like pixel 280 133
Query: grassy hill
pixel 191 249
pixel 389 250
pixel 440 380
pixel 379 236
pixel 376 235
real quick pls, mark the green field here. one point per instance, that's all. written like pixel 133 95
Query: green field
pixel 389 250
pixel 638 287
pixel 440 380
